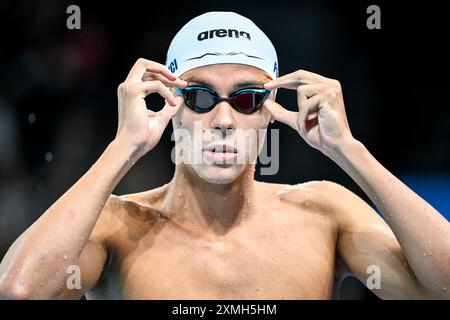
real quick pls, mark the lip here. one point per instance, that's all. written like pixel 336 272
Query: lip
pixel 220 148
pixel 220 152
pixel 219 156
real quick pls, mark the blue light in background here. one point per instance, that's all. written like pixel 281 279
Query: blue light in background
pixel 433 188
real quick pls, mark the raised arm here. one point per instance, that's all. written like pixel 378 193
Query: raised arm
pixel 368 249
pixel 35 266
pixel 422 234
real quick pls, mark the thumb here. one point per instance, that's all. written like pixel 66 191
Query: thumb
pixel 281 114
pixel 168 111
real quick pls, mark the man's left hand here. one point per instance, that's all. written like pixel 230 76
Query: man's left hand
pixel 321 120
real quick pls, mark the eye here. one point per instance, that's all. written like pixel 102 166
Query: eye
pixel 202 99
pixel 246 100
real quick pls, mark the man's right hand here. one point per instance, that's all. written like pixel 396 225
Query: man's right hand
pixel 138 126
pixel 36 268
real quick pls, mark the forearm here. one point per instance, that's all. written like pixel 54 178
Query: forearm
pixel 423 233
pixel 41 255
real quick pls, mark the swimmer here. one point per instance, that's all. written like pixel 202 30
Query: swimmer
pixel 213 231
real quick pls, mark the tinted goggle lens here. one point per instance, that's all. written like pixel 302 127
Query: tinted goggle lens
pixel 248 102
pixel 201 99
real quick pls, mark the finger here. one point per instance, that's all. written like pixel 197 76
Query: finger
pixel 170 83
pixel 308 111
pixel 307 91
pixel 281 114
pixel 137 71
pixel 168 112
pixel 294 79
pixel 147 87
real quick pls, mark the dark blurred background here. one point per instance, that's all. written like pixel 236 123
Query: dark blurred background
pixel 58 105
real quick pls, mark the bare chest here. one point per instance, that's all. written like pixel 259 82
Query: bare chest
pixel 284 262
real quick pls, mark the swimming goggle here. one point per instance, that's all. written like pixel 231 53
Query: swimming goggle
pixel 203 99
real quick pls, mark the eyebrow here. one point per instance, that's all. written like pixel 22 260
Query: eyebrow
pixel 236 85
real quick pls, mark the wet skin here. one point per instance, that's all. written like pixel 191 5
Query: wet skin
pixel 284 250
pixel 213 232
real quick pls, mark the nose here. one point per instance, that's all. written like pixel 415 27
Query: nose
pixel 223 119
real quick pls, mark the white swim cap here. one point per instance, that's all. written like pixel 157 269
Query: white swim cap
pixel 221 37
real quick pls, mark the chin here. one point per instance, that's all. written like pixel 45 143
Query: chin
pixel 216 174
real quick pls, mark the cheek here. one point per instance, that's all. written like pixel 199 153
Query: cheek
pixel 186 119
pixel 191 123
pixel 265 115
pixel 258 120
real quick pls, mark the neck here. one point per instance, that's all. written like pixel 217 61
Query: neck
pixel 216 208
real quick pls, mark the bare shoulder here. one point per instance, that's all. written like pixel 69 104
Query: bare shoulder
pixel 133 205
pixel 349 209
pixel 123 211
pixel 325 194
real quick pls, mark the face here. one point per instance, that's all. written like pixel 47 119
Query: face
pixel 223 141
